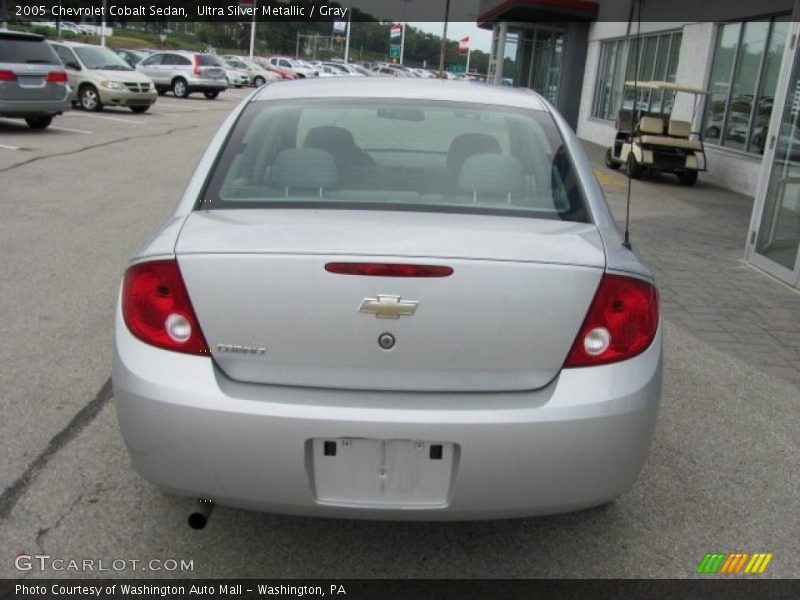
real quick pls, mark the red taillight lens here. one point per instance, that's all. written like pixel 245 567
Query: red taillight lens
pixel 621 322
pixel 56 77
pixel 388 270
pixel 7 76
pixel 196 64
pixel 157 310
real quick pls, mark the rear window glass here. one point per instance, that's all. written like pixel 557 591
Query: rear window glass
pixel 24 51
pixel 396 155
pixel 207 60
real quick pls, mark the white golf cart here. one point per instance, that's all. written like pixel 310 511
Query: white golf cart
pixel 655 142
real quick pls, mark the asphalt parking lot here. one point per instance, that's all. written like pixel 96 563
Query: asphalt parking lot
pixel 79 198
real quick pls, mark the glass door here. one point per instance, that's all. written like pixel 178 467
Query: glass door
pixel 776 247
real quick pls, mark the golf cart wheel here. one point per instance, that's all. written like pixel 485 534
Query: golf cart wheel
pixel 180 88
pixel 688 178
pixel 610 162
pixel 635 170
pixel 89 99
pixel 211 94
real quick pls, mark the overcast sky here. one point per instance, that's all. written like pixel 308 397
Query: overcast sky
pixel 480 39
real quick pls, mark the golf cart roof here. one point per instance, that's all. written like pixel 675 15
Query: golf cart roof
pixel 666 85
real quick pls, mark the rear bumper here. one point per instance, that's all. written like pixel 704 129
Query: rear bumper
pixel 579 442
pixel 208 84
pixel 38 108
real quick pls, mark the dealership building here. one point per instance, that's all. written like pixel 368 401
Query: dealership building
pixel 579 54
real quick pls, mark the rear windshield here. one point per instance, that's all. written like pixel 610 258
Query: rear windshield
pixel 207 60
pixel 27 51
pixel 396 155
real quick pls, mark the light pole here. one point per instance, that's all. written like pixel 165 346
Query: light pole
pixel 444 38
pixel 253 30
pixel 347 34
pixel 403 34
pixel 103 26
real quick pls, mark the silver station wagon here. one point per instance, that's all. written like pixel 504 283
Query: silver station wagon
pixel 390 299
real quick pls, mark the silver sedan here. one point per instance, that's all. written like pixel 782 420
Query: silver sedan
pixel 392 299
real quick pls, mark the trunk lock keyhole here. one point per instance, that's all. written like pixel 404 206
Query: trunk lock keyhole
pixel 386 341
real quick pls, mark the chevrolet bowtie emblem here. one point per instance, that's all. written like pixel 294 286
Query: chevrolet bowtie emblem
pixel 388 307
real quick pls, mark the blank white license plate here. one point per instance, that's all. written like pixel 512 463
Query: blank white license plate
pixel 382 473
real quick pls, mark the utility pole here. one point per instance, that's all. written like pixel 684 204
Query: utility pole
pixel 103 26
pixel 253 30
pixel 443 50
pixel 347 34
pixel 403 34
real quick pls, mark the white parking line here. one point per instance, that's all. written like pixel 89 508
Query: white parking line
pixel 70 129
pixel 166 114
pixel 184 107
pixel 4 147
pixel 78 114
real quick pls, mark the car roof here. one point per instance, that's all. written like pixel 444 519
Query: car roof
pixel 183 52
pixel 406 88
pixel 75 44
pixel 20 35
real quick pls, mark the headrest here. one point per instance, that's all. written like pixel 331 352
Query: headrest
pixel 651 125
pixel 304 168
pixel 680 128
pixel 328 138
pixel 492 174
pixel 465 145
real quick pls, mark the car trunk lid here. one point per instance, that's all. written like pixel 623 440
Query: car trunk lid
pixel 30 83
pixel 504 320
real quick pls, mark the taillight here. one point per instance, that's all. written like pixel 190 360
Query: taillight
pixel 7 76
pixel 196 64
pixel 157 310
pixel 621 322
pixel 388 269
pixel 56 77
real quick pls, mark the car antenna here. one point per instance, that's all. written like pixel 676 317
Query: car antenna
pixel 627 239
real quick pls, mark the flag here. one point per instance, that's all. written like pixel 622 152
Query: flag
pixel 463 45
pixel 396 33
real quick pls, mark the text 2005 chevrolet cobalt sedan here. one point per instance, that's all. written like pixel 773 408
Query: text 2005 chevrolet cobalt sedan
pixel 390 299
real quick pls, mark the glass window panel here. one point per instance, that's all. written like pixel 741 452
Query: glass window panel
pixel 672 69
pixel 599 84
pixel 779 233
pixel 617 64
pixel 648 58
pixel 743 88
pixel 719 84
pixel 769 81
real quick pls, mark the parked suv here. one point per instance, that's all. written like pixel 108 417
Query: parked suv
pixel 99 77
pixel 185 73
pixel 33 84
